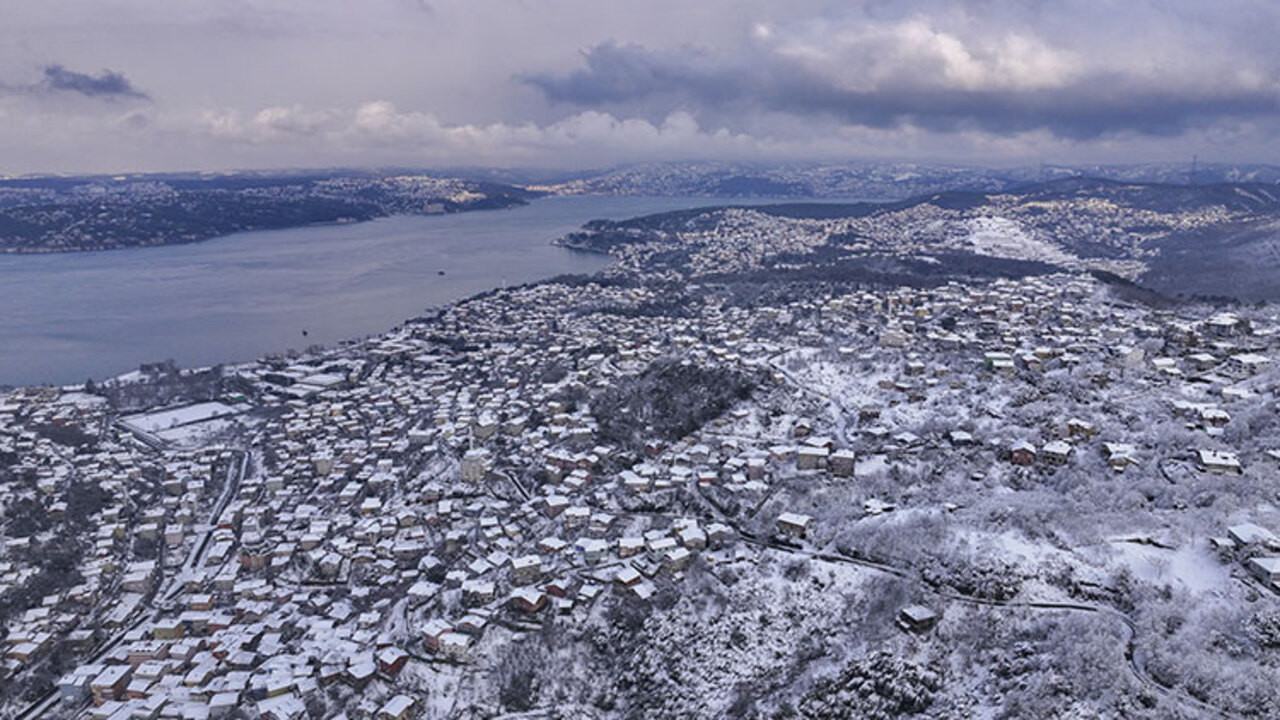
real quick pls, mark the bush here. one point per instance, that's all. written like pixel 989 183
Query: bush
pixel 876 686
pixel 1264 628
pixel 984 579
pixel 66 435
pixel 518 677
pixel 668 401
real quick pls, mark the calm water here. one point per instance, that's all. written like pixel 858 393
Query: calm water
pixel 68 317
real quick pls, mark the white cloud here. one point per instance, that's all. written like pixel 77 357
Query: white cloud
pixel 378 128
pixel 918 50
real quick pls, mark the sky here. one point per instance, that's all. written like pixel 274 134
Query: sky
pixel 155 85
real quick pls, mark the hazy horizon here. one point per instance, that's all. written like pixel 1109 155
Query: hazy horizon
pixel 551 173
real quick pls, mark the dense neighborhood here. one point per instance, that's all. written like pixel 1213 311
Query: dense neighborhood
pixel 666 492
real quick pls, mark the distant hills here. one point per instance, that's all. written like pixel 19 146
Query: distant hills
pixel 1218 240
pixel 877 181
pixel 58 214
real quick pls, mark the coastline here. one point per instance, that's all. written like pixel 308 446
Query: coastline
pixel 45 250
pixel 96 314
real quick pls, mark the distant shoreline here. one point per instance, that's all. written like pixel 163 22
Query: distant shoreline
pixel 218 236
pixel 501 203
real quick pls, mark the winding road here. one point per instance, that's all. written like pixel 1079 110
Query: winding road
pixel 1132 652
pixel 1133 655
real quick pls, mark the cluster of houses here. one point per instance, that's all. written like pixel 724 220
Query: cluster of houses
pixel 1036 328
pixel 414 500
pixel 1257 548
pixel 738 240
pixel 90 497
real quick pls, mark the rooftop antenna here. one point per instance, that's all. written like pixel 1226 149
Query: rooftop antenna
pixel 1191 179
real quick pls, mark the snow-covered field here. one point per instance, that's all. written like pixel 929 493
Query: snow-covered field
pixel 197 433
pixel 1192 566
pixel 154 422
pixel 1002 237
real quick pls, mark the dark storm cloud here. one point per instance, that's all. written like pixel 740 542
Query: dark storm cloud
pixel 1089 105
pixel 107 84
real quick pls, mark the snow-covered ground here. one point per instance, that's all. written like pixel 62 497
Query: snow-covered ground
pixel 176 417
pixel 198 433
pixel 1191 566
pixel 1002 237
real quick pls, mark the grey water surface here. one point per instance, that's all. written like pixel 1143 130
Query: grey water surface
pixel 65 318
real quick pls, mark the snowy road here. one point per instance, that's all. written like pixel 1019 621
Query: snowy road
pixel 1137 667
pixel 838 411
pixel 235 474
